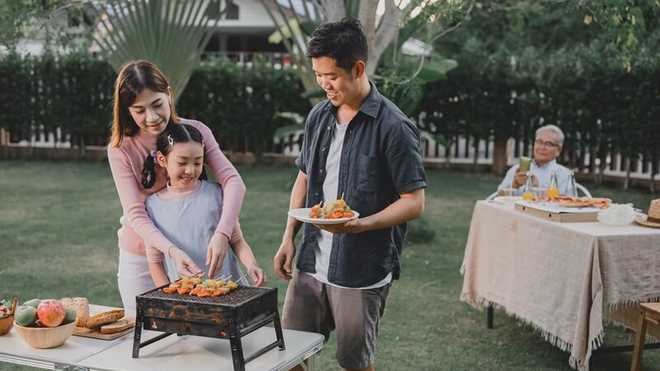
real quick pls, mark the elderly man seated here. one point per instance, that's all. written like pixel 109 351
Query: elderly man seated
pixel 547 147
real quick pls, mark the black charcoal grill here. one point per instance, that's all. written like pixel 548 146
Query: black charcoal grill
pixel 230 316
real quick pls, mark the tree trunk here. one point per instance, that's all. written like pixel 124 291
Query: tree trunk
pixel 384 33
pixel 598 177
pixel 83 147
pixel 592 161
pixel 475 156
pixel 499 155
pixel 652 186
pixel 626 182
pixel 448 153
pixel 333 10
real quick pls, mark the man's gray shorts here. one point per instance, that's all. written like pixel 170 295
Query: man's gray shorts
pixel 313 306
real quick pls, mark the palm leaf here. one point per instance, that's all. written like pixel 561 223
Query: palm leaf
pixel 172 34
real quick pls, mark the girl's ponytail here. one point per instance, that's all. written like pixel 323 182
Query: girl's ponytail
pixel 149 170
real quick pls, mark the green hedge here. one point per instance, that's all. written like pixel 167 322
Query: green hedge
pixel 74 93
pixel 602 113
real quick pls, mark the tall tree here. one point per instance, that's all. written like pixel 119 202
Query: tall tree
pixel 297 19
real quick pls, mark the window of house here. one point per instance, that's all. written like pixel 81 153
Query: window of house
pixel 232 10
pixel 222 8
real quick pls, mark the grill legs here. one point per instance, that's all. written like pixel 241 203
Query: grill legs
pixel 235 336
pixel 136 337
pixel 278 331
pixel 235 340
pixel 237 351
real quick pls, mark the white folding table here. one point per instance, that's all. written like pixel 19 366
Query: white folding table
pixel 171 353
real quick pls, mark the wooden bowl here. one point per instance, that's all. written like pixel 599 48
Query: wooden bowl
pixel 6 323
pixel 46 337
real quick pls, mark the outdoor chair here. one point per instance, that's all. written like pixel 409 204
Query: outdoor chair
pixel 650 313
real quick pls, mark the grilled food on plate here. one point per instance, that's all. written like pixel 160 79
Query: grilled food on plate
pixel 331 210
pixel 567 201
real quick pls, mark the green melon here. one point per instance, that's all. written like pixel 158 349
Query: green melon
pixel 70 315
pixel 25 315
pixel 34 303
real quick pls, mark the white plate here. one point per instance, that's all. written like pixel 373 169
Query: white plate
pixel 507 199
pixel 303 216
pixel 555 208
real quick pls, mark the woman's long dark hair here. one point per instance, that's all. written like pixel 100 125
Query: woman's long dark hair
pixel 173 134
pixel 132 78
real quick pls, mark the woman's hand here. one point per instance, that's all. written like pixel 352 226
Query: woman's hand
pixel 256 274
pixel 184 264
pixel 216 253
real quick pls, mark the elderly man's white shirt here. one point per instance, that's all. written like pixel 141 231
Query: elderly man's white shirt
pixel 544 175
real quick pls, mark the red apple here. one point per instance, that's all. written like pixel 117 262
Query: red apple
pixel 50 313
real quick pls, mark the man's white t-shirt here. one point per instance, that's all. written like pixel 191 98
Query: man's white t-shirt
pixel 330 190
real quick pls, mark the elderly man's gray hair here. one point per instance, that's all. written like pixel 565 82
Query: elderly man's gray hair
pixel 555 130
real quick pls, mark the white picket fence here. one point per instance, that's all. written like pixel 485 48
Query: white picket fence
pixel 463 152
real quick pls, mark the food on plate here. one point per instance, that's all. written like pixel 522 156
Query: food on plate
pixel 568 201
pixel 331 210
pixel 80 306
pixel 196 286
pixel 528 196
pixel 552 193
pixel 104 318
pixel 50 313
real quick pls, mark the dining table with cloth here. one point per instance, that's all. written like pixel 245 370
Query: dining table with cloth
pixel 564 279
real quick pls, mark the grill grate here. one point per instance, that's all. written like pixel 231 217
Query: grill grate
pixel 236 297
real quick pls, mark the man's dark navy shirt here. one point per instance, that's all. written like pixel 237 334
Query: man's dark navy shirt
pixel 380 159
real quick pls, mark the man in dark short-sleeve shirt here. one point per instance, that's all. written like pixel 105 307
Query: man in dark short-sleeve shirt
pixel 360 147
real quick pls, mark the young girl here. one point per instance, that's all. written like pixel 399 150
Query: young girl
pixel 187 211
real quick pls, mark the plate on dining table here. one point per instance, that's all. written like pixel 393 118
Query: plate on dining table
pixel 302 215
pixel 507 199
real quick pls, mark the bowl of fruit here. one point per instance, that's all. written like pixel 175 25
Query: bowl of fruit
pixel 44 323
pixel 7 309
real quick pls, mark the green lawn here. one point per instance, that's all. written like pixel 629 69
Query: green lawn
pixel 58 238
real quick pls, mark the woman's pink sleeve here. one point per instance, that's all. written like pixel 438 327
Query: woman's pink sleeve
pixel 228 177
pixel 132 201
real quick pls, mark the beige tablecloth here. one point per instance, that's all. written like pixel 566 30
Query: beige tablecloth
pixel 562 278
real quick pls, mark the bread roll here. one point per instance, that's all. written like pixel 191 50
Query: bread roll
pixel 81 306
pixel 117 326
pixel 104 318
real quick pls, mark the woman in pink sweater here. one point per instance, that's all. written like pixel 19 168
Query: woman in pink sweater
pixel 143 107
